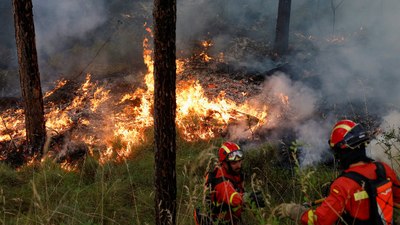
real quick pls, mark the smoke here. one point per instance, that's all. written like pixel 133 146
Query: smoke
pixel 65 32
pixel 342 67
pixel 103 38
pixel 292 105
pixel 352 47
pixel 298 114
pixel 344 60
pixel 386 146
pixel 313 135
pixel 56 21
pixel 362 67
pixel 358 75
pixel 294 94
pixel 226 23
pixel 59 27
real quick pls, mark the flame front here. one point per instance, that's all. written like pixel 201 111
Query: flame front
pixel 113 134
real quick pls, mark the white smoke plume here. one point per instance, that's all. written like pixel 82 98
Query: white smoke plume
pixel 313 135
pixel 387 147
pixel 359 68
pixel 354 74
pixel 291 105
pixel 58 20
pixel 345 66
pixel 299 114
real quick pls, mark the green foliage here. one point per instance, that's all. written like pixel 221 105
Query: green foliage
pixel 390 143
pixel 123 192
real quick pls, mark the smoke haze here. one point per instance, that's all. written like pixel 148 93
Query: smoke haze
pixel 56 21
pixel 382 145
pixel 342 67
pixel 349 61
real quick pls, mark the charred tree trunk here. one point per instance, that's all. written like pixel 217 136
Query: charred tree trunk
pixel 282 27
pixel 165 110
pixel 29 76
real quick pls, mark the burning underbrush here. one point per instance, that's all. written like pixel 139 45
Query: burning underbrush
pixel 109 118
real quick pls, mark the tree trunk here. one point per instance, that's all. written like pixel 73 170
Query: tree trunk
pixel 29 76
pixel 165 110
pixel 282 27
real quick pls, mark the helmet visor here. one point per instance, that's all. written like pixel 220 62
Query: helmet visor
pixel 235 156
pixel 354 138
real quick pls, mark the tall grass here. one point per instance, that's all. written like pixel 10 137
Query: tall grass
pixel 123 193
pixel 114 193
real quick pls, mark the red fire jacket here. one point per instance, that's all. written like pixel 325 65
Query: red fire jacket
pixel 341 197
pixel 227 197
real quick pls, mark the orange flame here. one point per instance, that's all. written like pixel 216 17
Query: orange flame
pixel 203 55
pixel 113 134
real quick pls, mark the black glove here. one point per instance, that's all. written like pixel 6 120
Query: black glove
pixel 257 199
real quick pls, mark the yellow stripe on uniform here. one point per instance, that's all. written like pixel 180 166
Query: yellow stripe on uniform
pixel 232 195
pixel 310 215
pixel 360 195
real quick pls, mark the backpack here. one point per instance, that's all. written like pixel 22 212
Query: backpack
pixel 379 193
pixel 211 181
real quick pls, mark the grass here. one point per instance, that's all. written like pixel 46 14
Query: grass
pixel 123 193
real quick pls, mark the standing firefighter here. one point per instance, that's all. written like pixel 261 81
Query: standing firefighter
pixel 227 196
pixel 364 193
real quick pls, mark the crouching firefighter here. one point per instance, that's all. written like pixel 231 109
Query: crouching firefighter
pixel 365 192
pixel 227 197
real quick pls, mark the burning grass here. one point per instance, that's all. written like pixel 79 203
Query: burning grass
pixel 109 121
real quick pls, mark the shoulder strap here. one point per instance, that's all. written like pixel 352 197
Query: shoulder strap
pixel 362 180
pixel 380 171
pixel 367 185
pixel 213 180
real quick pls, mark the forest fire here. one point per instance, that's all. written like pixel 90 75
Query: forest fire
pixel 203 55
pixel 111 127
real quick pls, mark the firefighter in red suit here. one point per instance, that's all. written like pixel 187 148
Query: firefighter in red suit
pixel 347 202
pixel 227 196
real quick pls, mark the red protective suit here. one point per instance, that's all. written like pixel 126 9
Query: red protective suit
pixel 227 196
pixel 342 198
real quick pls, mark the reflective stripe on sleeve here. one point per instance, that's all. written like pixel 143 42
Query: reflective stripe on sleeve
pixel 231 198
pixel 310 215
